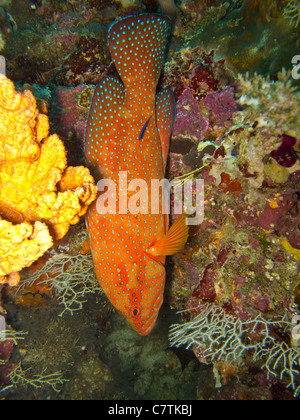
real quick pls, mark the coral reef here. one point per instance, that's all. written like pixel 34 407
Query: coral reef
pixel 69 114
pixel 139 362
pixel 239 132
pixel 250 35
pixel 217 336
pixel 93 380
pixel 244 257
pixel 40 196
pixel 258 31
pixel 259 128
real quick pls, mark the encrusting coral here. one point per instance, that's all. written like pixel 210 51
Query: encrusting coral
pixel 270 111
pixel 39 197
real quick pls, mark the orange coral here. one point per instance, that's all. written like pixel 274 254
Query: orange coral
pixel 227 185
pixel 39 197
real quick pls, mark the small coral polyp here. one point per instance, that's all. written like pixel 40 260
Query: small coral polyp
pixel 40 196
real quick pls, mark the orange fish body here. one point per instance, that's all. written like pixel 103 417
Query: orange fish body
pixel 128 132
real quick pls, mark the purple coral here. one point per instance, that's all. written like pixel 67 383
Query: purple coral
pixel 285 154
pixel 189 119
pixel 222 104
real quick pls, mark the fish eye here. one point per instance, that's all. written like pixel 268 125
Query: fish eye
pixel 135 312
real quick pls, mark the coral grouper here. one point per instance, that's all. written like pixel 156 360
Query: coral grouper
pixel 127 135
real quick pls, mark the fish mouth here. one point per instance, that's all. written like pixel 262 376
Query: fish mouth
pixel 146 326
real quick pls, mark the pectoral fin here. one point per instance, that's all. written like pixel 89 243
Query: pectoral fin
pixel 173 241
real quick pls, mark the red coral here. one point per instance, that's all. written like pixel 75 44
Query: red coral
pixel 6 347
pixel 203 78
pixel 206 289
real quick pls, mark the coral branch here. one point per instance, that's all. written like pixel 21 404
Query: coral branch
pixel 69 277
pixel 219 336
pixel 19 376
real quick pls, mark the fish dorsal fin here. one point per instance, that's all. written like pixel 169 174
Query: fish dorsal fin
pixel 165 116
pixel 173 241
pixel 137 45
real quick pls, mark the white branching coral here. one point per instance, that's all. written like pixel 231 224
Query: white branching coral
pixel 222 337
pixel 283 360
pixel 69 277
pixel 21 377
pixel 9 334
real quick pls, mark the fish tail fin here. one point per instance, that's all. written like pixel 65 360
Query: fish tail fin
pixel 137 45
